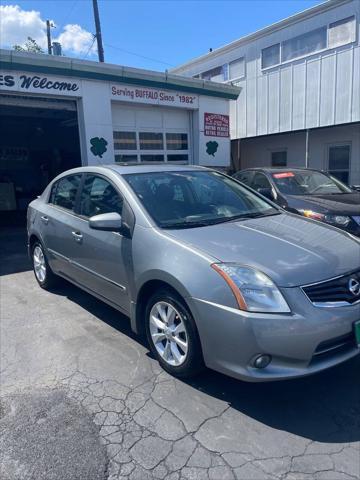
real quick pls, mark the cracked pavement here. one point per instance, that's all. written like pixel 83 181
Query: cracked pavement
pixel 81 398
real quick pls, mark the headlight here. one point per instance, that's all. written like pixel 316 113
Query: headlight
pixel 313 215
pixel 253 290
pixel 338 220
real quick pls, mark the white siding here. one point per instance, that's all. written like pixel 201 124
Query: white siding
pixel 318 90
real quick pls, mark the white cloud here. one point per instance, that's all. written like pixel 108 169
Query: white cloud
pixel 16 25
pixel 77 40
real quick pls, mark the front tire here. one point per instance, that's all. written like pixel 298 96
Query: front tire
pixel 172 334
pixel 43 273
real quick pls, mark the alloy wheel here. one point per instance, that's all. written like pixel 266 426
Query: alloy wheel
pixel 39 264
pixel 168 333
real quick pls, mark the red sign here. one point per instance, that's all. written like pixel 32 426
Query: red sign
pixel 283 175
pixel 216 125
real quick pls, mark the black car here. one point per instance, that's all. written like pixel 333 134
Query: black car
pixel 308 192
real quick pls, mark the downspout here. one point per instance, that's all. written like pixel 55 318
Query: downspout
pixel 307 148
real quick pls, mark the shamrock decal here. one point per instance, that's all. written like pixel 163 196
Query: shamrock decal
pixel 98 146
pixel 211 148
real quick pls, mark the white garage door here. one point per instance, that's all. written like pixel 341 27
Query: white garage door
pixel 149 134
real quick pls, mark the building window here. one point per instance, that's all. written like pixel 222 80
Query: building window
pixel 270 56
pixel 125 140
pixel 132 147
pixel 237 69
pixel 151 141
pixel 178 158
pixel 339 162
pixel 125 158
pixel 216 74
pixel 279 159
pixel 304 44
pixel 342 32
pixel 177 141
pixel 152 158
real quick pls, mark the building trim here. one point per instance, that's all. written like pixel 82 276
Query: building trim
pixel 113 73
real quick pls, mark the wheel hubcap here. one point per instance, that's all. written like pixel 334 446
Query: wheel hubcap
pixel 168 333
pixel 39 264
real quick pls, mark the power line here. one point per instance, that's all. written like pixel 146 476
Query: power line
pixel 67 16
pixel 92 44
pixel 140 56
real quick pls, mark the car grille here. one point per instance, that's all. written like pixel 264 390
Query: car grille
pixel 333 292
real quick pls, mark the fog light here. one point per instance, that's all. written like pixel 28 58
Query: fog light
pixel 262 361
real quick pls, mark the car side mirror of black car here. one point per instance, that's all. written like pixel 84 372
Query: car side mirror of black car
pixel 110 222
pixel 266 192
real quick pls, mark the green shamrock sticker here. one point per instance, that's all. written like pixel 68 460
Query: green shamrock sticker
pixel 211 148
pixel 98 146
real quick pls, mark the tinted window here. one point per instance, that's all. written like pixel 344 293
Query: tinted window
pixel 184 199
pixel 99 196
pixel 244 177
pixel 307 183
pixel 64 192
pixel 260 181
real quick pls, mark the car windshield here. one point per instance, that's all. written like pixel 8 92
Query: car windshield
pixel 187 199
pixel 308 183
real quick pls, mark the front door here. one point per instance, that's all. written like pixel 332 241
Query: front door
pixel 100 257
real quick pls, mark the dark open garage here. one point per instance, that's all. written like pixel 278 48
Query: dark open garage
pixel 39 139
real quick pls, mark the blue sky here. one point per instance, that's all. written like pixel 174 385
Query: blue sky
pixel 162 33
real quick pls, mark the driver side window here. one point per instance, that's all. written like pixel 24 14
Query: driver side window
pixel 260 181
pixel 99 196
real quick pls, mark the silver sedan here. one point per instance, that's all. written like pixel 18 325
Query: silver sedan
pixel 213 273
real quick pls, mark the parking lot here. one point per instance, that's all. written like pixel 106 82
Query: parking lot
pixel 81 398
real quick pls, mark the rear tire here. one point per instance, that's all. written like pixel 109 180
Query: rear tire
pixel 43 273
pixel 172 334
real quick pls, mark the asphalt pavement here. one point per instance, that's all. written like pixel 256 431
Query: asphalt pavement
pixel 81 398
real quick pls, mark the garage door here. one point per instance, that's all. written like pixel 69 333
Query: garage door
pixel 149 134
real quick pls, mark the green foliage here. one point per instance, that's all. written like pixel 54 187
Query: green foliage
pixel 30 46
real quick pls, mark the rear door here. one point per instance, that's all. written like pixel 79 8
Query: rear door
pixel 102 259
pixel 59 222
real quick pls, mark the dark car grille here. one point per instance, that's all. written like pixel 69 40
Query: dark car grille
pixel 334 291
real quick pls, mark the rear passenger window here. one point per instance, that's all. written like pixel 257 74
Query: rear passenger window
pixel 63 193
pixel 99 196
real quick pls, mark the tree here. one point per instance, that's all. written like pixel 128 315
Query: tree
pixel 30 46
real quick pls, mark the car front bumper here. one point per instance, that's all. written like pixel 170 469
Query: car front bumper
pixel 301 343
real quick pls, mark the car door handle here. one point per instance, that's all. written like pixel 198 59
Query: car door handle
pixel 77 236
pixel 44 219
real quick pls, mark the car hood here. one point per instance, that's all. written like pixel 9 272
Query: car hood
pixel 291 250
pixel 339 203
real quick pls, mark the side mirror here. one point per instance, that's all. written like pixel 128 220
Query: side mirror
pixel 110 222
pixel 266 192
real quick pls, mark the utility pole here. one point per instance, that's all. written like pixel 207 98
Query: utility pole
pixel 48 34
pixel 98 32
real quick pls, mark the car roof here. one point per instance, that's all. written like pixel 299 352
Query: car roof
pixel 281 169
pixel 124 169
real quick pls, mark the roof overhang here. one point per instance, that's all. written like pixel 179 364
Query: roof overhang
pixel 69 67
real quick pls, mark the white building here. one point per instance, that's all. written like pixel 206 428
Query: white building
pixel 300 90
pixel 57 113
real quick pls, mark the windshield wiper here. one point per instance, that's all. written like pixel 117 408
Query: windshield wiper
pixel 206 223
